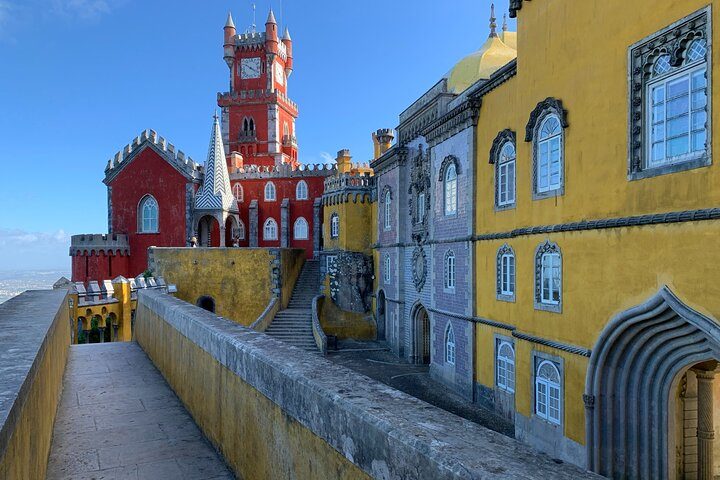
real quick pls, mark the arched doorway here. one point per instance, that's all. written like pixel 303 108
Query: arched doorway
pixel 380 306
pixel 206 302
pixel 640 364
pixel 421 323
pixel 231 230
pixel 208 232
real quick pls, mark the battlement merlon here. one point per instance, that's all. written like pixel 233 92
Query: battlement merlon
pixel 349 183
pixel 262 96
pixel 84 244
pixel 250 172
pixel 177 158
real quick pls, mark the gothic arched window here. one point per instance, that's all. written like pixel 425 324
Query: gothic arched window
pixel 450 188
pixel 270 193
pixel 148 218
pixel 238 192
pixel 301 190
pixel 548 392
pixel 450 344
pixel 300 229
pixel 270 230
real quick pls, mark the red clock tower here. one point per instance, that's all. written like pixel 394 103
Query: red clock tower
pixel 258 118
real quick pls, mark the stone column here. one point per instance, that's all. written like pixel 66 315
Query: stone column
pixel 706 429
pixel 253 227
pixel 102 334
pixel 284 223
pixel 317 221
pixel 222 235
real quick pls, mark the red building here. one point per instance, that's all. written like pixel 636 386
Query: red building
pixel 257 195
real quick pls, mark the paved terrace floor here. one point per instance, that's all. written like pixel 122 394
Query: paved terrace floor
pixel 119 419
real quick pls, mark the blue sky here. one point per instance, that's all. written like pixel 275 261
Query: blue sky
pixel 80 78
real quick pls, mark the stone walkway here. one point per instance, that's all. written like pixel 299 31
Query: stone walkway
pixel 375 360
pixel 119 419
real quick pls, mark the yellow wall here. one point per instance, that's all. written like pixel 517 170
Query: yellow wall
pixel 29 444
pixel 254 435
pixel 239 279
pixel 122 311
pixel 577 52
pixel 356 230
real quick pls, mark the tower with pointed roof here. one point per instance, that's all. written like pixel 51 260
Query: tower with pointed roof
pixel 258 117
pixel 214 198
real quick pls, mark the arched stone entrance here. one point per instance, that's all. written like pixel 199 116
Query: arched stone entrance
pixel 631 389
pixel 206 302
pixel 380 307
pixel 421 329
pixel 208 231
pixel 231 231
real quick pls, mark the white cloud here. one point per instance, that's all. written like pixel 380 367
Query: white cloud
pixel 23 250
pixel 81 9
pixel 327 158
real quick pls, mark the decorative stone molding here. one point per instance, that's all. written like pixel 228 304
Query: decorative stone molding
pixel 419 267
pixel 673 41
pixel 419 185
pixel 351 281
pixel 547 247
pixel 515 5
pixel 449 160
pixel 506 135
pixel 548 106
pixel 456 120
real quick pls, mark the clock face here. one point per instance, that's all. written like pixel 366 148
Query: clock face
pixel 279 75
pixel 250 68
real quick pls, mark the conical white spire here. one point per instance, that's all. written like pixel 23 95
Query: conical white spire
pixel 215 192
pixel 271 18
pixel 230 22
pixel 286 36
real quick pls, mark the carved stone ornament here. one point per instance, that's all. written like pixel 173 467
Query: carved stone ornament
pixel 419 268
pixel 419 186
pixel 546 107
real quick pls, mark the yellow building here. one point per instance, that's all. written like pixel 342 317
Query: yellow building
pixel 596 235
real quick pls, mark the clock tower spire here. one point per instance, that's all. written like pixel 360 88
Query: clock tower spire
pixel 258 117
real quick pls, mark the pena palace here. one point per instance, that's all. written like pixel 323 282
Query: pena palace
pixel 251 191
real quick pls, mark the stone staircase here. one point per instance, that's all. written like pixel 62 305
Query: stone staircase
pixel 294 324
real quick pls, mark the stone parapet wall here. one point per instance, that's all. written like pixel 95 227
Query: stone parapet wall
pixel 274 411
pixel 31 370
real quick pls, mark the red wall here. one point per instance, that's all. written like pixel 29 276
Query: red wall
pixel 149 173
pixel 99 266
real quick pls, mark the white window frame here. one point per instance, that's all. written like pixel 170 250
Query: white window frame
pixel 550 262
pixel 505 367
pixel 388 266
pixel 388 210
pixel 544 389
pixel 449 270
pixel 450 344
pixel 149 224
pixel 270 229
pixel 506 176
pixel 238 193
pixel 450 190
pixel 300 224
pixel 270 192
pixel 334 225
pixel 674 76
pixel 546 142
pixel 507 274
pixel 301 190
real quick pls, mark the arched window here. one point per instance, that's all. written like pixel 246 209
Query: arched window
pixel 449 281
pixel 270 194
pixel 505 367
pixel 548 280
pixel 286 130
pixel 388 209
pixel 300 229
pixel 148 215
pixel 449 344
pixel 270 230
pixel 450 187
pixel 505 273
pixel 386 272
pixel 238 192
pixel 548 392
pixel 549 155
pixel 334 225
pixel 505 175
pixel 239 231
pixel 301 190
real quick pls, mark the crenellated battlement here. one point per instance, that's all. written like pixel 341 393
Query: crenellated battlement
pixel 176 157
pixel 283 171
pixel 225 98
pixel 355 187
pixel 91 244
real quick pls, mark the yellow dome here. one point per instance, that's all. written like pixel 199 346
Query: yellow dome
pixel 480 64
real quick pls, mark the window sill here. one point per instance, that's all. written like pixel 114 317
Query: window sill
pixel 148 233
pixel 449 290
pixel 558 192
pixel 503 297
pixel 549 307
pixel 502 208
pixel 698 162
pixel 504 390
pixel 547 422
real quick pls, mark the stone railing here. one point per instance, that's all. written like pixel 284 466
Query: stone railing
pixel 266 317
pixel 349 182
pixel 318 334
pixel 31 370
pixel 247 388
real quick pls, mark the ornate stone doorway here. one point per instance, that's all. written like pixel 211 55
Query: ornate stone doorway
pixel 421 322
pixel 208 234
pixel 380 306
pixel 634 384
